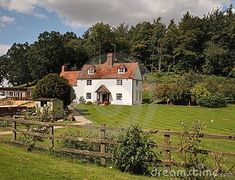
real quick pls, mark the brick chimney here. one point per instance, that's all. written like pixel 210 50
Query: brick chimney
pixel 109 61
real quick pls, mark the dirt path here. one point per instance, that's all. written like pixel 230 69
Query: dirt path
pixel 5 133
pixel 79 118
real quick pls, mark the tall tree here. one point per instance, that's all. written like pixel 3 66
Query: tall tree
pixel 16 69
pixel 159 30
pixel 168 43
pixel 217 60
pixel 122 39
pixel 141 42
pixel 99 38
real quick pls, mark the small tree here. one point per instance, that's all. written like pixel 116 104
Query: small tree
pixel 54 86
pixel 134 152
pixel 191 148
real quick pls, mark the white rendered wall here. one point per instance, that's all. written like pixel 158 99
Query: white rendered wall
pixel 111 84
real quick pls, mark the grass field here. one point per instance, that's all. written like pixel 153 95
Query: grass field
pixel 221 120
pixel 16 163
pixel 217 121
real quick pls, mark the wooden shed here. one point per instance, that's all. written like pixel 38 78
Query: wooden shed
pixel 55 106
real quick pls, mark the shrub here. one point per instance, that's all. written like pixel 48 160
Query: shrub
pixel 89 103
pixel 134 152
pixel 82 100
pixel 212 101
pixel 191 146
pixel 198 91
pixel 54 86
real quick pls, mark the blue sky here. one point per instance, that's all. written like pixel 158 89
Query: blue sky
pixel 26 28
pixel 22 20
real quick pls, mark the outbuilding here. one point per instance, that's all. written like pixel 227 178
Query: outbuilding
pixel 54 105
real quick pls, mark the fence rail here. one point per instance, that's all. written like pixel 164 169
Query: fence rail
pixel 167 148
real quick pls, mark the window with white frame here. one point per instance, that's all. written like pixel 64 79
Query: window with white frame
pixel 121 71
pixel 89 82
pixel 88 95
pixel 119 96
pixel 119 82
pixel 91 71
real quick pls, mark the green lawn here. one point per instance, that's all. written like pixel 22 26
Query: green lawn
pixel 16 163
pixel 221 120
pixel 217 121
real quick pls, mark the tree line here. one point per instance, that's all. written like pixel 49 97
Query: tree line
pixel 205 45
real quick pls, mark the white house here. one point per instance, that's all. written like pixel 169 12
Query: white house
pixel 114 83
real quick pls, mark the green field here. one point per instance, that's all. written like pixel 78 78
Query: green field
pixel 16 163
pixel 217 121
pixel 221 120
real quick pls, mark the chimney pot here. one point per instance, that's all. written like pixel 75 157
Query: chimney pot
pixel 63 69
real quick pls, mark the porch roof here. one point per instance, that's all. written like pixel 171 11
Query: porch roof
pixel 103 89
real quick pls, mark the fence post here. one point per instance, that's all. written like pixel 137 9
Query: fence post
pixel 14 130
pixel 102 145
pixel 167 150
pixel 52 138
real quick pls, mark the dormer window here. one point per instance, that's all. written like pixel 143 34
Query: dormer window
pixel 121 71
pixel 91 71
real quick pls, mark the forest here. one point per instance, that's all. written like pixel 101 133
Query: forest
pixel 203 45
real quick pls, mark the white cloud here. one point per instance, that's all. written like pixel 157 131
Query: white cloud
pixel 4 48
pixel 87 12
pixel 5 20
pixel 76 13
pixel 22 6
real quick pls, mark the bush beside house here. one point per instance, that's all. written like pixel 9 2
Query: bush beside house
pixel 54 86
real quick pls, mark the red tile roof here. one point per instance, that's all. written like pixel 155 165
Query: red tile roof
pixel 104 71
pixel 71 76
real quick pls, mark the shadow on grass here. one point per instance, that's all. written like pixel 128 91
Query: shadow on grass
pixel 83 112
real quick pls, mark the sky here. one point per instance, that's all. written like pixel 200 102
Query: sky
pixel 23 20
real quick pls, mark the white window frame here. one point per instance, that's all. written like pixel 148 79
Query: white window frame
pixel 89 82
pixel 119 96
pixel 91 71
pixel 87 95
pixel 119 82
pixel 121 71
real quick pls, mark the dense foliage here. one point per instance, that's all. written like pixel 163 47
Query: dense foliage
pixel 189 88
pixel 203 45
pixel 134 151
pixel 54 86
pixel 212 101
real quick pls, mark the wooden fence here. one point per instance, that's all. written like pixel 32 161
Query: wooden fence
pixel 167 148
